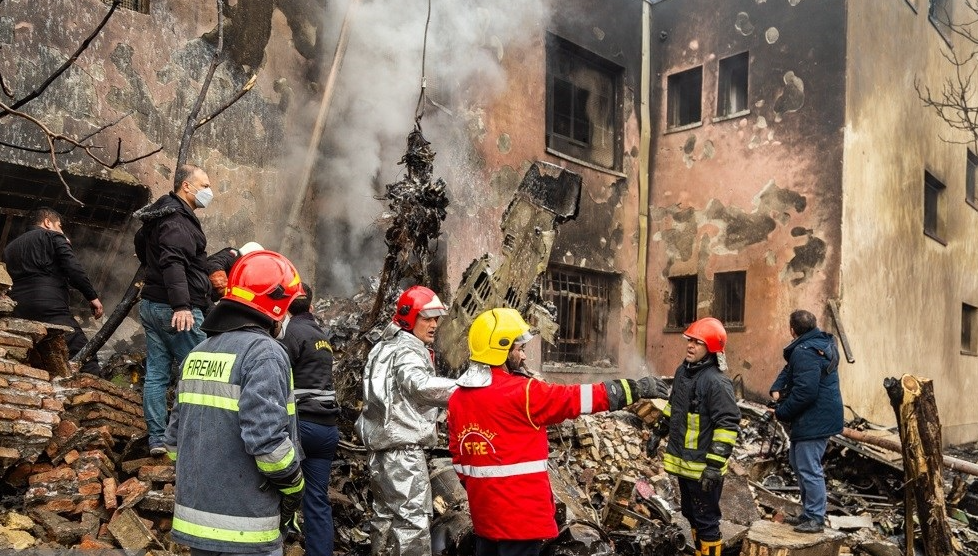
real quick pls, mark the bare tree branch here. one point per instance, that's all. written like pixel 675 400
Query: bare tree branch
pixel 251 83
pixel 64 67
pixel 51 137
pixel 191 127
pixel 82 139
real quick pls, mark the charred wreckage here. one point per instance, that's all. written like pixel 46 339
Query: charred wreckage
pixel 76 471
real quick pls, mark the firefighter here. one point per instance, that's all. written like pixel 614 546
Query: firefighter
pixel 401 397
pixel 700 422
pixel 233 430
pixel 497 433
pixel 219 265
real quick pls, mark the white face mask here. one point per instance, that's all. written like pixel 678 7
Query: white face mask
pixel 285 324
pixel 203 197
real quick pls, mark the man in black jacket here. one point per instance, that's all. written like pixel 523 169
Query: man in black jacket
pixel 171 245
pixel 42 266
pixel 315 399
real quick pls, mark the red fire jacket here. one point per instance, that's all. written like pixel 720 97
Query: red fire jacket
pixel 498 439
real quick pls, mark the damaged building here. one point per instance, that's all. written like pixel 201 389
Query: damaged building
pixel 795 165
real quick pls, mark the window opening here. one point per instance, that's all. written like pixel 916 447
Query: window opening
pixel 685 90
pixel 682 311
pixel 583 301
pixel 732 85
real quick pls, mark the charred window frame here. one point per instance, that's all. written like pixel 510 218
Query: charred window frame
pixel 583 105
pixel 971 179
pixel 729 298
pixel 969 329
pixel 141 6
pixel 732 85
pixel 684 98
pixel 682 302
pixel 583 301
pixel 939 14
pixel 935 211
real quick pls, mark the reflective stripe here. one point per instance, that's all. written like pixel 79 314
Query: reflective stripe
pixel 715 457
pixel 627 390
pixel 205 365
pixel 587 399
pixel 528 416
pixel 317 393
pixel 209 393
pixel 496 471
pixel 689 469
pixel 294 489
pixel 209 401
pixel 290 408
pixel 280 458
pixel 230 528
pixel 692 431
pixel 726 436
pixel 667 410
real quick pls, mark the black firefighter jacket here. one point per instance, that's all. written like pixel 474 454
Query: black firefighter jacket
pixel 172 245
pixel 312 370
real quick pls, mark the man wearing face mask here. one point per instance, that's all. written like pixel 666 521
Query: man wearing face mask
pixel 42 266
pixel 172 247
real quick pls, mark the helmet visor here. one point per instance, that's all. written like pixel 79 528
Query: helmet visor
pixel 433 312
pixel 524 337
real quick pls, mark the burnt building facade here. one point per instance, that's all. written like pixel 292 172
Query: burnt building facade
pixel 795 166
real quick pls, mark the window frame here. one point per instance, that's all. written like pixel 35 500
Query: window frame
pixel 690 301
pixel 931 183
pixel 724 81
pixel 593 301
pixel 675 86
pixel 969 329
pixel 971 180
pixel 724 282
pixel 570 146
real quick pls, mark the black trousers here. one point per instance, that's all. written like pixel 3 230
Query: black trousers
pixel 486 547
pixel 45 309
pixel 701 508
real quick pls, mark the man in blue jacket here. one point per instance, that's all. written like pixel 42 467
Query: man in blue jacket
pixel 809 401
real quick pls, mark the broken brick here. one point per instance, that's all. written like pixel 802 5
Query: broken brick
pixel 18 476
pixel 109 493
pixel 24 370
pixel 17 397
pixel 90 488
pixel 158 473
pixel 64 473
pixel 39 416
pixel 8 412
pixel 91 543
pixel 71 457
pixel 52 404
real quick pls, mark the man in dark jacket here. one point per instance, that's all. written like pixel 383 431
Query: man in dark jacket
pixel 808 396
pixel 42 266
pixel 219 266
pixel 315 400
pixel 171 245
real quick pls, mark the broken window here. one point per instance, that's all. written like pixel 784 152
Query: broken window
pixel 728 298
pixel 582 105
pixel 971 175
pixel 934 210
pixel 939 12
pixel 583 301
pixel 682 300
pixel 732 85
pixel 141 6
pixel 685 90
pixel 969 329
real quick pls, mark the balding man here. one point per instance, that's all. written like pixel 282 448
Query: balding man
pixel 172 246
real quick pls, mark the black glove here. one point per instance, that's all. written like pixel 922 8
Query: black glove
pixel 291 487
pixel 652 446
pixel 650 387
pixel 711 478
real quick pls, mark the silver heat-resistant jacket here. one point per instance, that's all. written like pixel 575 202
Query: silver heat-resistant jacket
pixel 401 394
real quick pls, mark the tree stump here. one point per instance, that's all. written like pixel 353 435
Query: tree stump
pixel 767 538
pixel 913 402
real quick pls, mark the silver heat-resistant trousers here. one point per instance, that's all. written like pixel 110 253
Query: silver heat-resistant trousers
pixel 399 482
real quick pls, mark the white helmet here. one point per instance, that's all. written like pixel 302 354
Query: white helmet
pixel 249 247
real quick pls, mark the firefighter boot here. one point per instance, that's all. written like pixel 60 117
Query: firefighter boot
pixel 711 548
pixel 696 543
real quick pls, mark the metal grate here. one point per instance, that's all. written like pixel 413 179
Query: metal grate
pixel 682 310
pixel 583 301
pixel 728 297
pixel 141 6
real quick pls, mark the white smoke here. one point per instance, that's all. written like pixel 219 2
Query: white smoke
pixel 373 109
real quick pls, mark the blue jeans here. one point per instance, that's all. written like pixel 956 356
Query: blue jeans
pixel 805 458
pixel 319 443
pixel 164 348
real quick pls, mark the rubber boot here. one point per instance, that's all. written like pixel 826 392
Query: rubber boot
pixel 696 543
pixel 711 548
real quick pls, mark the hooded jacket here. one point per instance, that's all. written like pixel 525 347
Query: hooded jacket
pixel 809 385
pixel 43 265
pixel 172 246
pixel 401 394
pixel 312 369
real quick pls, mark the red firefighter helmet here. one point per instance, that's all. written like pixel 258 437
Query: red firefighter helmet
pixel 710 331
pixel 266 281
pixel 414 302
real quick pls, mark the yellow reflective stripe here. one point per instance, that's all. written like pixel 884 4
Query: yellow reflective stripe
pixel 171 455
pixel 667 410
pixel 204 365
pixel 678 466
pixel 726 436
pixel 208 400
pixel 692 431
pixel 215 533
pixel 242 293
pixel 290 408
pixel 715 457
pixel 296 488
pixel 628 391
pixel 270 463
pixel 295 280
pixel 528 417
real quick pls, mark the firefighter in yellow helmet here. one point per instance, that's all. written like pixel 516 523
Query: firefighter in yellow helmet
pixel 497 433
pixel 700 423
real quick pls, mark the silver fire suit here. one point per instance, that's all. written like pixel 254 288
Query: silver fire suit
pixel 401 397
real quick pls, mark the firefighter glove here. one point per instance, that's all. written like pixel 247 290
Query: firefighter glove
pixel 711 478
pixel 650 387
pixel 291 487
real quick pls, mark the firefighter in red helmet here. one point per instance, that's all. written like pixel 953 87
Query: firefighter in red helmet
pixel 233 431
pixel 401 399
pixel 700 424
